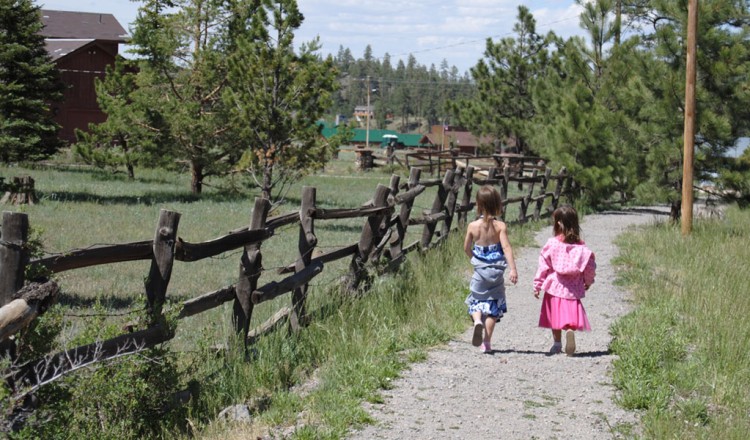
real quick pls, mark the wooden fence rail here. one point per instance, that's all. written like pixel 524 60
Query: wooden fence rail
pixel 438 162
pixel 387 217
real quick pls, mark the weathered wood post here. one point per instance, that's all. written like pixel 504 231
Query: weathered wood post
pixel 522 218
pixel 13 254
pixel 542 194
pixel 370 235
pixel 402 221
pixel 306 245
pixel 558 189
pixel 377 252
pixel 437 206
pixel 466 201
pixel 250 270
pixel 161 264
pixel 13 260
pixel 492 173
pixel 504 189
pixel 454 156
pixel 450 202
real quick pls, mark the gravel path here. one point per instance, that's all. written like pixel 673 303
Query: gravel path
pixel 517 391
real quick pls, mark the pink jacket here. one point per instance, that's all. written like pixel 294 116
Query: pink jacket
pixel 565 269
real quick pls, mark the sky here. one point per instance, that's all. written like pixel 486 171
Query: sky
pixel 431 30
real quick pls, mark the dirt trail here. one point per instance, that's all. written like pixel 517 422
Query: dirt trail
pixel 518 392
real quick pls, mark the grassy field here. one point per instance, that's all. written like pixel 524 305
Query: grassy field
pixel 352 349
pixel 685 350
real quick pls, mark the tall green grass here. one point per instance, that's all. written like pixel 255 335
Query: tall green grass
pixel 684 353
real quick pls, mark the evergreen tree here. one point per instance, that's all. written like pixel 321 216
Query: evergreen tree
pixel 722 88
pixel 276 96
pixel 29 82
pixel 127 137
pixel 503 107
pixel 184 45
pixel 581 121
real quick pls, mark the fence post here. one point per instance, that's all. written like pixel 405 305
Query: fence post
pixel 402 221
pixel 250 267
pixel 450 203
pixel 160 272
pixel 466 201
pixel 386 224
pixel 504 189
pixel 13 260
pixel 13 255
pixel 454 155
pixel 370 234
pixel 527 200
pixel 307 242
pixel 437 205
pixel 558 189
pixel 542 194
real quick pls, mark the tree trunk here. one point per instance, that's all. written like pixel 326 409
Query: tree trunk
pixel 128 163
pixel 267 180
pixel 618 22
pixel 196 184
pixel 675 208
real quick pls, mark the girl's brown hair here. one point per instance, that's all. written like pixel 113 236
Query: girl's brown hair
pixel 489 203
pixel 566 224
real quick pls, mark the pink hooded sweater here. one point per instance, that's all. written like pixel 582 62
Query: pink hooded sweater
pixel 565 269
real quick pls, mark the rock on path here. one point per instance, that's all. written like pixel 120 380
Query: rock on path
pixel 518 392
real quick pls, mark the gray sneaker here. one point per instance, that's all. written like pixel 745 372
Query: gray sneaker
pixel 478 337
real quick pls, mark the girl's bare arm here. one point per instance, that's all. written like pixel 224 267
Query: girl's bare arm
pixel 468 241
pixel 508 251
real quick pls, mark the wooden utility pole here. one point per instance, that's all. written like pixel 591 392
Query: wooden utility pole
pixel 367 124
pixel 689 133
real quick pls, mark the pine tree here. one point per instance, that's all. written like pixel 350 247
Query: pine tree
pixel 581 121
pixel 29 82
pixel 503 106
pixel 184 46
pixel 276 96
pixel 127 137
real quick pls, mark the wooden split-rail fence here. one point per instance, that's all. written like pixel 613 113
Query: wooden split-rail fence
pixel 438 162
pixel 386 219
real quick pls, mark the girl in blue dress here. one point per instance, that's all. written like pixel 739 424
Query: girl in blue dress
pixel 487 245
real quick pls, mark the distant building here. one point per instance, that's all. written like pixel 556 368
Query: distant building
pixel 361 111
pixel 81 44
pixel 445 137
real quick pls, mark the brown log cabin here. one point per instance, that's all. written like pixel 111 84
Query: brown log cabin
pixel 81 44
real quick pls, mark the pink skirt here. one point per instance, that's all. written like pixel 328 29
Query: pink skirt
pixel 563 314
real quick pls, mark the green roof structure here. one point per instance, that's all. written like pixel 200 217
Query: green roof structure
pixel 377 137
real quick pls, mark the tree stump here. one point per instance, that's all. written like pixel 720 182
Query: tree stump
pixel 364 159
pixel 20 192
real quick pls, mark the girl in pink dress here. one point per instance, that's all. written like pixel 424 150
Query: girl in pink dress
pixel 566 270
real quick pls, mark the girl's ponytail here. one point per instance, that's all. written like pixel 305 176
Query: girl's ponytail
pixel 566 224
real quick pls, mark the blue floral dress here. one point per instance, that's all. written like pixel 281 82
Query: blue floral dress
pixel 487 288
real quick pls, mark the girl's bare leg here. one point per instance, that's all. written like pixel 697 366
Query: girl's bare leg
pixel 489 327
pixel 557 336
